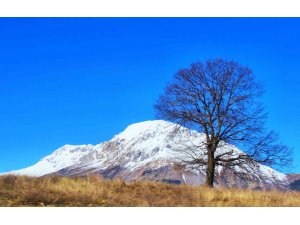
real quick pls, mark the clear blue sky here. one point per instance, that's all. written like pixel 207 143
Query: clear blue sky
pixel 79 81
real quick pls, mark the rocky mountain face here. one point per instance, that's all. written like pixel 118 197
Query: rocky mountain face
pixel 150 150
pixel 294 181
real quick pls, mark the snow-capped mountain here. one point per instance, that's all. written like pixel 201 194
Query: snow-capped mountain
pixel 148 151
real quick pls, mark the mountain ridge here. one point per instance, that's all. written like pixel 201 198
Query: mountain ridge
pixel 146 151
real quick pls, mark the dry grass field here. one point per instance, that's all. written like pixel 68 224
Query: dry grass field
pixel 93 191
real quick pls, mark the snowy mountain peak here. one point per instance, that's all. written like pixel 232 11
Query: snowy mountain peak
pixel 145 150
pixel 141 128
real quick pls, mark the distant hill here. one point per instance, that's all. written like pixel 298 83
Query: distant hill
pixel 145 151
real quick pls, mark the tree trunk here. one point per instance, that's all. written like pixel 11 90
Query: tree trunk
pixel 210 172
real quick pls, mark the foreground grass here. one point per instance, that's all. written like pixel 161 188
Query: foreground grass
pixel 92 191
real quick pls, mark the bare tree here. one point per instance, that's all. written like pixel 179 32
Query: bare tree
pixel 221 99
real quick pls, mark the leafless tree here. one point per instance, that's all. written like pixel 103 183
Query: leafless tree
pixel 222 100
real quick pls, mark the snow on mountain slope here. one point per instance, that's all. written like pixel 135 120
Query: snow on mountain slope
pixel 142 150
pixel 63 157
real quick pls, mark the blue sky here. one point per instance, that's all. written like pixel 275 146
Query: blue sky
pixel 79 81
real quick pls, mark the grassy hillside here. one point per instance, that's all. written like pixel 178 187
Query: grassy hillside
pixel 92 191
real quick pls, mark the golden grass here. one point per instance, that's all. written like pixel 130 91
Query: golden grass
pixel 93 191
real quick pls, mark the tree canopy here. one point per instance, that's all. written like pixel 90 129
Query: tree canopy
pixel 222 99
